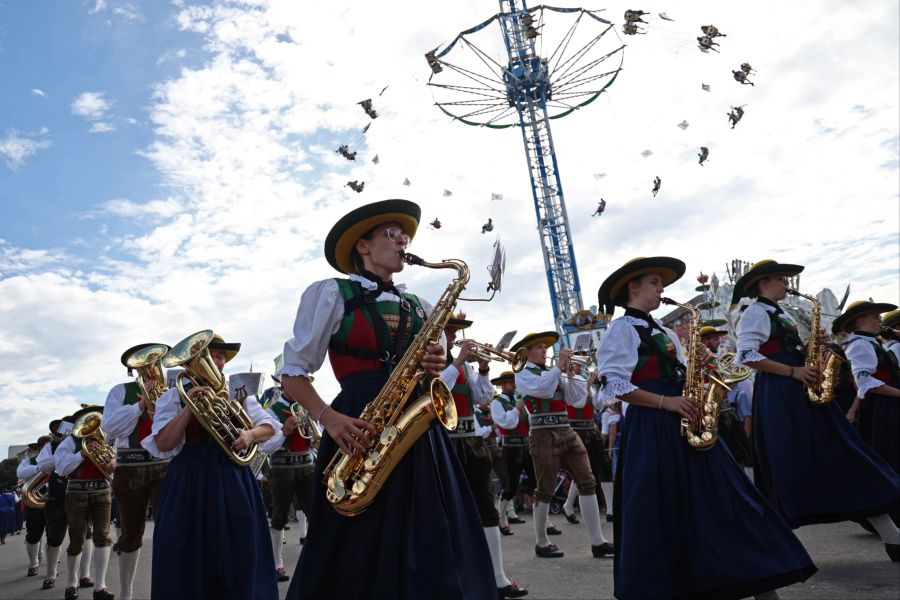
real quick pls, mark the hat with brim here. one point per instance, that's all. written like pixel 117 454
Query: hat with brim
pixel 83 411
pixel 707 331
pixel 54 424
pixel 455 323
pixel 670 269
pixel 503 377
pixel 891 319
pixel 346 232
pixel 44 439
pixel 544 337
pixel 230 348
pixel 761 269
pixel 858 309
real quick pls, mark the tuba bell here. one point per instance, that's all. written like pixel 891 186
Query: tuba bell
pixel 220 416
pixel 34 490
pixel 93 441
pixel 147 361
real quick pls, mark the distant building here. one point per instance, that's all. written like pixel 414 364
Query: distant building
pixel 15 451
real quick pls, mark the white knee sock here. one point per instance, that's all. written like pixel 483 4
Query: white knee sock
pixel 101 562
pixel 493 540
pixel 72 574
pixel 885 528
pixel 87 554
pixel 590 512
pixel 511 510
pixel 33 551
pixel 607 487
pixel 302 525
pixel 53 561
pixel 504 519
pixel 127 568
pixel 569 506
pixel 541 512
pixel 278 547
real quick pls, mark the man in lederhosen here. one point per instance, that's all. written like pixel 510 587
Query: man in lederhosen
pixel 509 415
pixel 55 507
pixel 34 517
pixel 553 442
pixel 470 389
pixel 127 419
pixel 486 429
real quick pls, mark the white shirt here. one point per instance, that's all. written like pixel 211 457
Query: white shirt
pixel 753 331
pixel 860 351
pixel 46 463
pixel 318 318
pixel 483 430
pixel 169 405
pixel 893 346
pixel 25 470
pixel 119 419
pixel 507 419
pixel 617 356
pixel 67 457
pixel 480 386
pixel 544 384
pixel 274 443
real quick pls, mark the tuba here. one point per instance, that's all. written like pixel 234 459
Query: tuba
pixel 147 361
pixel 93 441
pixel 827 362
pixel 222 417
pixel 34 490
pixel 305 426
pixel 484 352
pixel 730 372
pixel 352 481
pixel 702 433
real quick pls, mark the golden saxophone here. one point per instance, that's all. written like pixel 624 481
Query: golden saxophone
pixel 147 361
pixel 93 441
pixel 828 363
pixel 354 480
pixel 700 433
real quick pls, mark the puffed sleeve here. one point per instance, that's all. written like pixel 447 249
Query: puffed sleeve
pixel 539 385
pixel 45 460
pixel 752 332
pixel 318 316
pixel 617 357
pixel 507 419
pixel 66 457
pixel 863 363
pixel 167 408
pixel 119 419
pixel 575 390
pixel 274 443
pixel 482 390
pixel 26 469
pixel 258 416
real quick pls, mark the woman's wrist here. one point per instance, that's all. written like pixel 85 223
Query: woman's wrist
pixel 791 373
pixel 321 412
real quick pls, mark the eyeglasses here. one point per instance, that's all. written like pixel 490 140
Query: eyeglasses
pixel 397 235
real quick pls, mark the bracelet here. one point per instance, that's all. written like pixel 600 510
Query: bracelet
pixel 661 398
pixel 319 418
pixel 791 375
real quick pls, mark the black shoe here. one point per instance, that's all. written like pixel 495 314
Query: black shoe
pixel 280 575
pixel 115 548
pixel 512 591
pixel 32 571
pixel 286 528
pixel 71 593
pixel 48 584
pixel 551 551
pixel 609 518
pixel 571 518
pixel 103 595
pixel 85 582
pixel 506 530
pixel 893 551
pixel 553 531
pixel 515 520
pixel 604 549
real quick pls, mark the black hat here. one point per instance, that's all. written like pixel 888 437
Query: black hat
pixel 230 348
pixel 891 319
pixel 346 232
pixel 545 337
pixel 458 321
pixel 54 424
pixel 671 270
pixel 857 309
pixel 761 269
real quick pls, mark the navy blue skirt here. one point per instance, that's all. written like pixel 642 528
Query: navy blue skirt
pixel 689 523
pixel 812 464
pixel 420 538
pixel 211 538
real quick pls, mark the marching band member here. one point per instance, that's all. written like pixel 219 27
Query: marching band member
pixel 34 517
pixel 877 377
pixel 55 507
pixel 486 429
pixel 470 389
pixel 891 322
pixel 679 510
pixel 817 438
pixel 417 538
pixel 88 499
pixel 211 537
pixel 127 420
pixel 731 425
pixel 512 420
pixel 553 442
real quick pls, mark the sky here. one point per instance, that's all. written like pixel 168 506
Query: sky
pixel 167 167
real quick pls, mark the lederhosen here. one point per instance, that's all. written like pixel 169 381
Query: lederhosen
pixel 582 422
pixel 55 507
pixel 34 518
pixel 472 450
pixel 498 463
pixel 291 474
pixel 514 443
pixel 138 478
pixel 88 504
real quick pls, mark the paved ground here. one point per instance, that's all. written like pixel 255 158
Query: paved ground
pixel 852 565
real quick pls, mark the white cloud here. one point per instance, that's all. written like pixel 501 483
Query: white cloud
pixel 38 92
pixel 102 127
pixel 16 149
pixel 91 105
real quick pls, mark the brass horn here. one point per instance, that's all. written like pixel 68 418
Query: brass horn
pixel 484 352
pixel 147 361
pixel 305 426
pixel 93 441
pixel 34 490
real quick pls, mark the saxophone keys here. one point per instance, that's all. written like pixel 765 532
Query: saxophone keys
pixel 372 460
pixel 388 435
pixel 336 490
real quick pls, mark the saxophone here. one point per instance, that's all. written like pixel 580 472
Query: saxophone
pixel 827 363
pixel 700 433
pixel 352 481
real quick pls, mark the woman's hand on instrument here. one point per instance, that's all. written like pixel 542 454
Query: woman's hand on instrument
pixel 348 432
pixel 243 441
pixel 806 375
pixel 680 405
pixel 434 360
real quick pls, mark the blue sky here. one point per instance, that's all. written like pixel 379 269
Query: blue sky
pixel 176 170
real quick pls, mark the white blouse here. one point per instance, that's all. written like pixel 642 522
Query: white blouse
pixel 863 362
pixel 617 355
pixel 753 331
pixel 169 405
pixel 318 318
pixel 543 385
pixel 893 346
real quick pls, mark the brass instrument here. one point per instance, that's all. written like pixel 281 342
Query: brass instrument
pixel 34 490
pixel 148 363
pixel 730 372
pixel 305 426
pixel 823 359
pixel 222 417
pixel 484 352
pixel 700 433
pixel 354 480
pixel 93 441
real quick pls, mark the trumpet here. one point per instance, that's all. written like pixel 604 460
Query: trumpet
pixel 484 352
pixel 305 426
